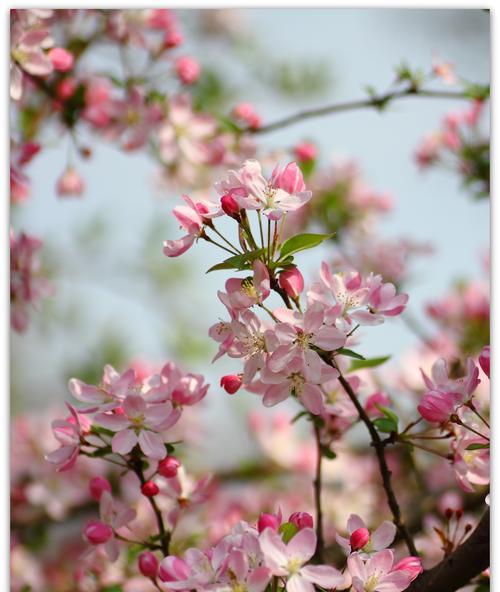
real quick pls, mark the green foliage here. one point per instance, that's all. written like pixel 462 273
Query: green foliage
pixel 368 363
pixel 288 531
pixel 350 353
pixel 301 242
pixel 239 262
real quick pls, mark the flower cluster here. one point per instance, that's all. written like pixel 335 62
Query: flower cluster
pixel 461 146
pixel 27 284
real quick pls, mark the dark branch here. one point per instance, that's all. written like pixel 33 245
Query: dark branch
pixel 458 569
pixel 377 102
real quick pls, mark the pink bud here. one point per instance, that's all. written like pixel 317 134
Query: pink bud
pixel 301 520
pixel 268 521
pixel 150 489
pixel 290 179
pixel 359 538
pixel 97 486
pixel 305 152
pixel 231 383
pixel 436 407
pixel 411 565
pixel 28 151
pixel 61 59
pixel 172 39
pixel 70 183
pixel 246 112
pixel 168 467
pixel 97 532
pixel 292 282
pixel 188 70
pixel 148 564
pixel 377 398
pixel 484 360
pixel 229 205
pixel 66 88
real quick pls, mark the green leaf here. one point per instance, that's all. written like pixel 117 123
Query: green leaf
pixel 368 363
pixel 327 453
pixel 299 415
pixel 384 424
pixel 239 262
pixel 288 531
pixel 477 446
pixel 301 242
pixel 388 413
pixel 349 352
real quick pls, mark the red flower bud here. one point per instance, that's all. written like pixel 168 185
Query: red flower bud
pixel 229 205
pixel 150 489
pixel 97 532
pixel 148 564
pixel 305 152
pixel 301 520
pixel 292 282
pixel 359 538
pixel 268 521
pixel 484 360
pixel 61 59
pixel 168 467
pixel 231 383
pixel 97 486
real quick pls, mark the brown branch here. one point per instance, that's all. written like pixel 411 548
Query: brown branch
pixel 376 101
pixel 384 469
pixel 458 569
pixel 320 546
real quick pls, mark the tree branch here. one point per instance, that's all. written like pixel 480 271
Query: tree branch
pixel 320 547
pixel 384 469
pixel 458 569
pixel 376 101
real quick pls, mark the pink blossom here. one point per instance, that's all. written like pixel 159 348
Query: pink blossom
pixel 471 460
pixel 301 520
pixel 139 423
pixel 297 333
pixel 246 113
pixel 428 151
pixel 292 282
pixel 305 151
pixel 70 183
pixel 445 71
pixel 231 383
pixel 381 538
pixel 245 293
pixel 377 573
pixel 436 406
pixel 484 360
pixel 97 486
pixel 373 401
pixel 383 299
pixel 289 560
pixel 148 564
pixel 28 55
pixel 61 59
pixel 68 432
pixel 188 69
pixel 412 565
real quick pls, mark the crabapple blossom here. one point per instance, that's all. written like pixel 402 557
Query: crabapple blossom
pixel 377 573
pixel 301 520
pixel 471 460
pixel 70 183
pixel 269 521
pixel 97 485
pixel 241 294
pixel 305 151
pixel 484 360
pixel 412 565
pixel 61 59
pixel 169 466
pixel 68 432
pixel 139 422
pixel 292 282
pixel 246 113
pixel 289 560
pixel 231 383
pixel 148 564
pixel 188 70
pixel 97 533
pixel 360 538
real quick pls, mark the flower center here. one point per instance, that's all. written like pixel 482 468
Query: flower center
pixel 294 565
pixel 297 381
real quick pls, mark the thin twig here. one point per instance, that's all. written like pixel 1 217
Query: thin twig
pixel 378 102
pixel 320 547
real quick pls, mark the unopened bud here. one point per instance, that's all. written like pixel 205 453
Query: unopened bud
pixel 231 383
pixel 168 467
pixel 359 538
pixel 301 520
pixel 268 521
pixel 229 205
pixel 292 282
pixel 97 486
pixel 150 489
pixel 148 564
pixel 97 532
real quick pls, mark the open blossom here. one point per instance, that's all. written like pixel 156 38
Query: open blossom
pixel 284 192
pixel 292 379
pixel 446 394
pixel 471 460
pixel 289 561
pixel 192 218
pixel 377 574
pixel 28 54
pixel 139 423
pixel 381 538
pixel 297 333
pixel 113 516
pixel 68 432
pixel 241 294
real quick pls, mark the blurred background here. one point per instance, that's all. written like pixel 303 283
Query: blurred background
pixel 119 299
